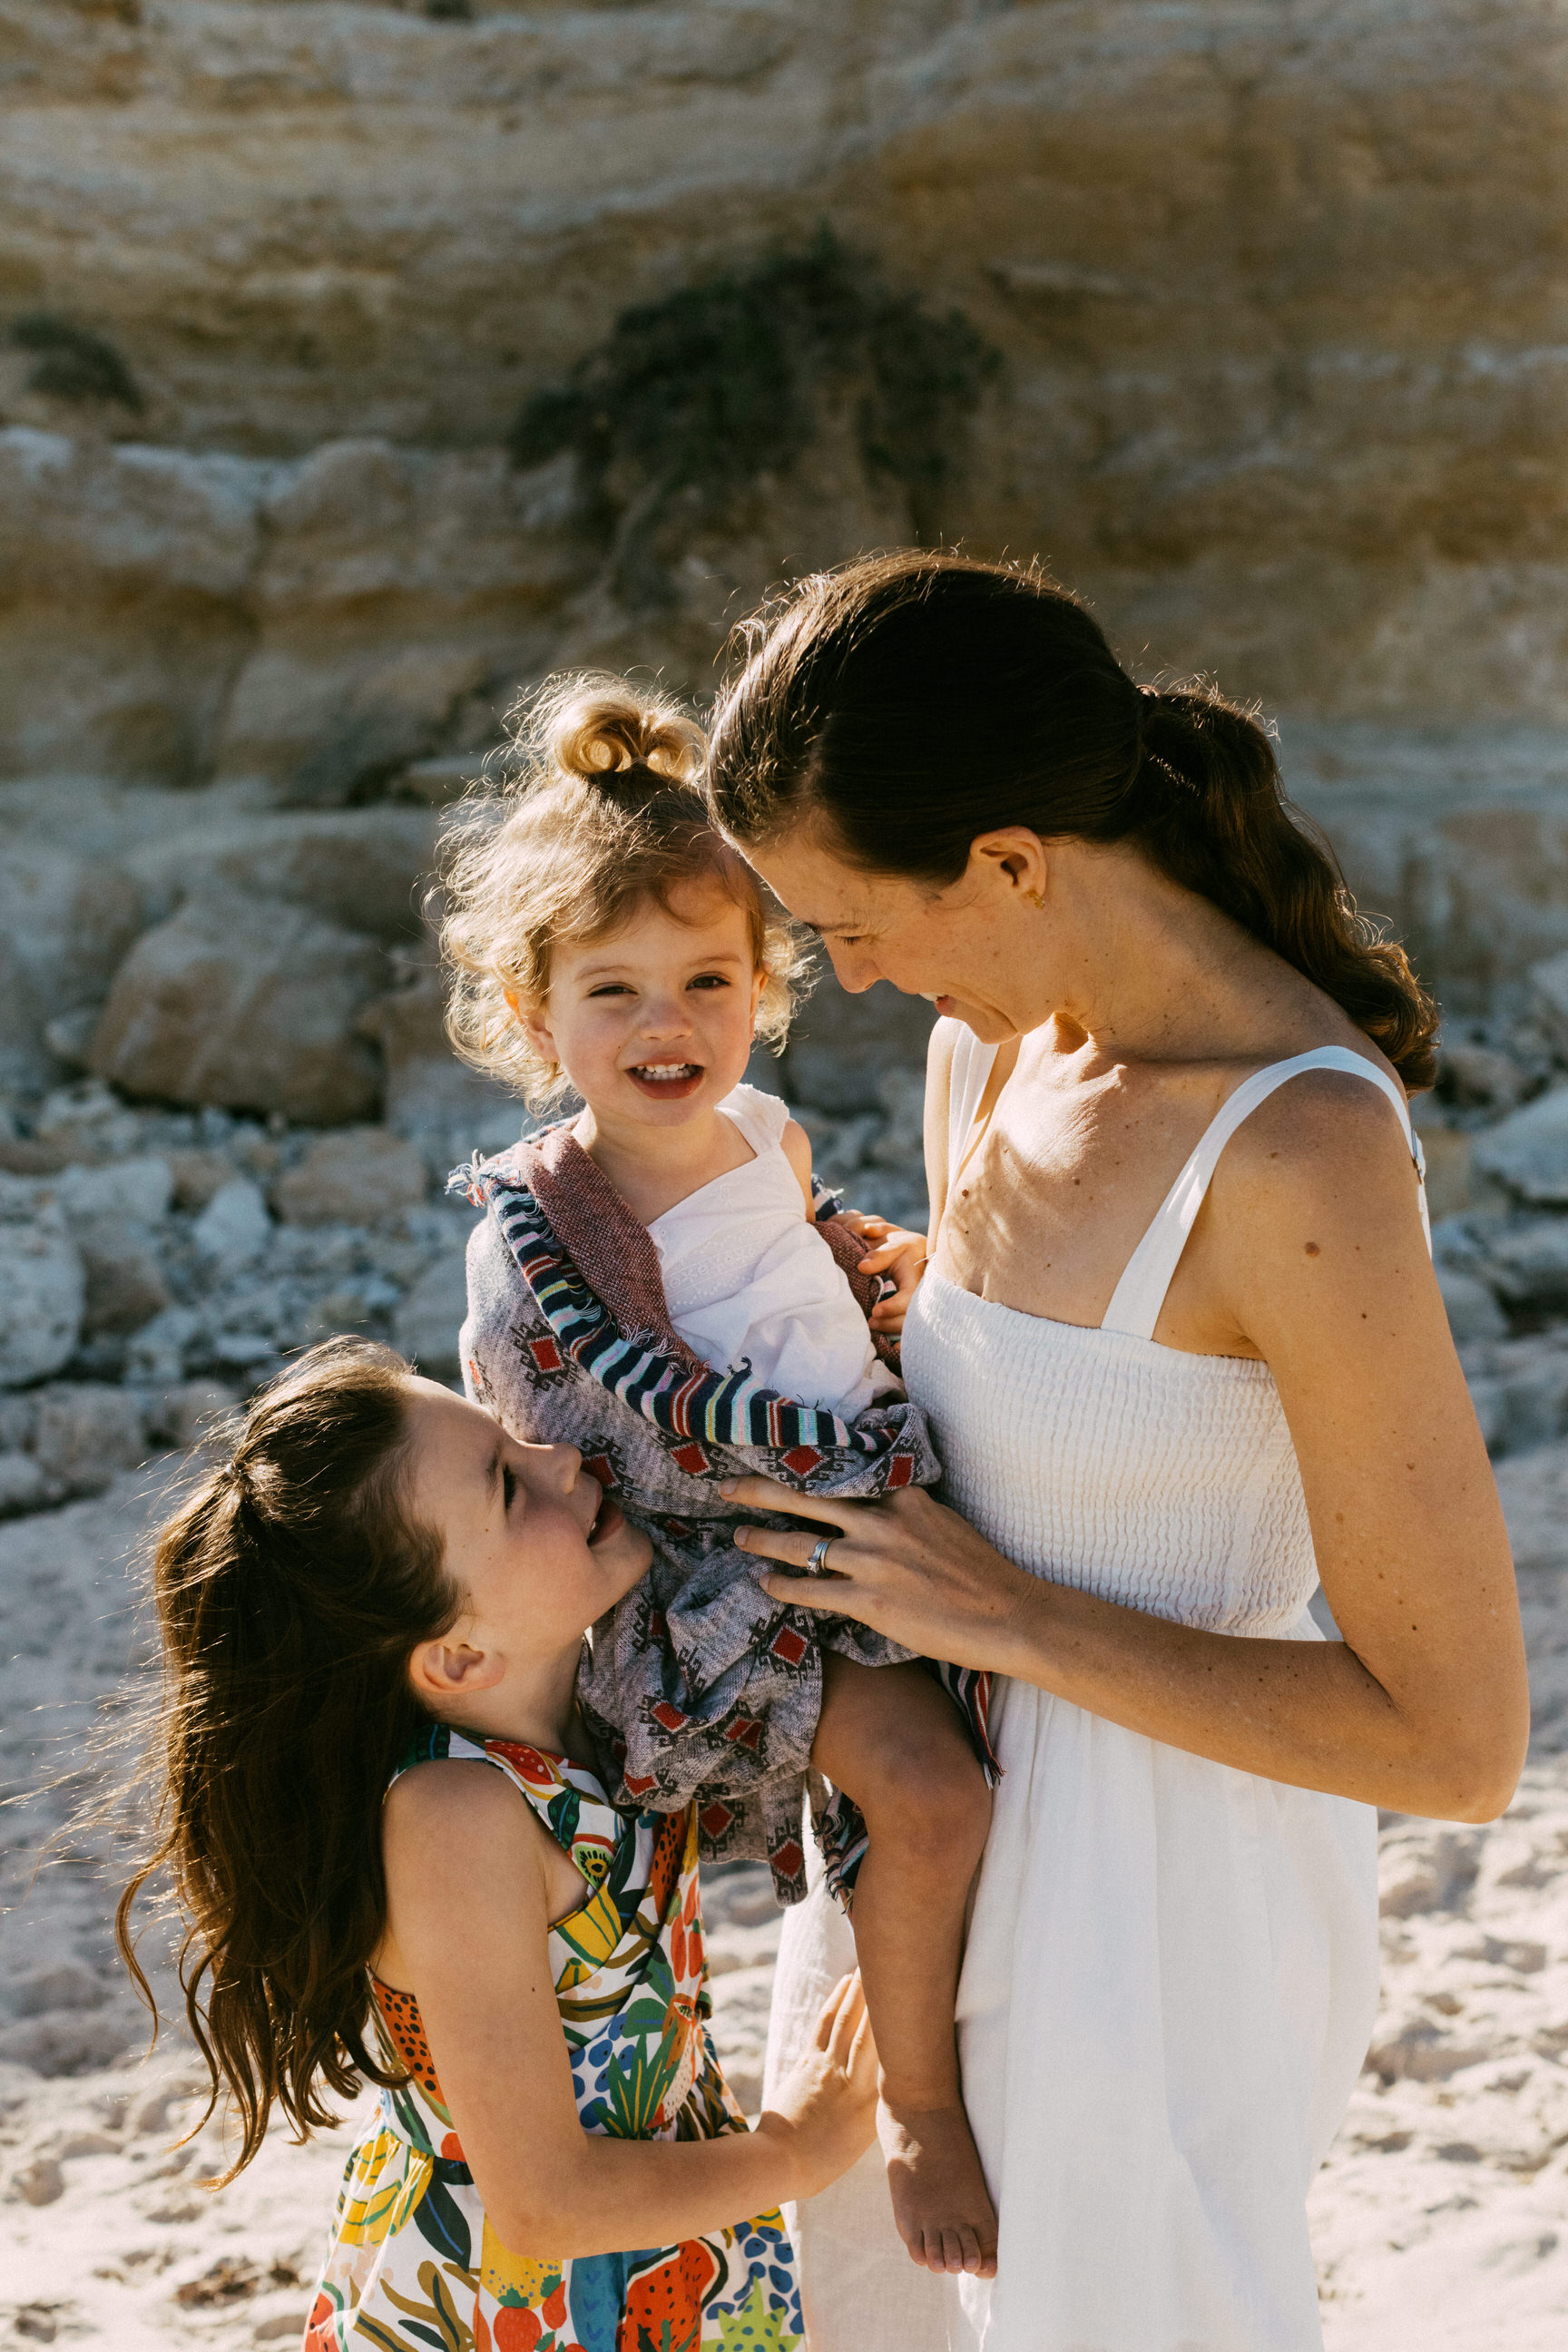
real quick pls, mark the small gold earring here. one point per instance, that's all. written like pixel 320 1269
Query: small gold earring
pixel 1036 898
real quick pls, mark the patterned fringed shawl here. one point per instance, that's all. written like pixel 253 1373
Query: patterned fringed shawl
pixel 697 1684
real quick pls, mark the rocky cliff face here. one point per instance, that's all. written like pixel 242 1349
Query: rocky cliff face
pixel 1275 289
pixel 359 363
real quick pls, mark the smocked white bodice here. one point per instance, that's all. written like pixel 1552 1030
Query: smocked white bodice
pixel 1161 1481
pixel 1164 1481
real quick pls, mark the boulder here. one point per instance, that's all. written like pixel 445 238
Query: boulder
pixel 1477 1077
pixel 88 1433
pixel 124 1276
pixel 23 1486
pixel 65 923
pixel 353 1177
pixel 403 595
pixel 362 869
pixel 1528 1152
pixel 198 1174
pixel 234 1228
pixel 86 1123
pixel 841 1046
pixel 124 625
pixel 427 1323
pixel 248 1003
pixel 1473 1312
pixel 188 1412
pixel 42 1288
pixel 448 1109
pixel 141 1190
pixel 1527 1264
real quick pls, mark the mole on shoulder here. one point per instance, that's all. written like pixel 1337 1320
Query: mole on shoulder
pixel 1312 1250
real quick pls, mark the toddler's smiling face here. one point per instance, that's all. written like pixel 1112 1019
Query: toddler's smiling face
pixel 653 1023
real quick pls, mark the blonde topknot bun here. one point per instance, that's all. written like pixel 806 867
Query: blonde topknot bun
pixel 593 726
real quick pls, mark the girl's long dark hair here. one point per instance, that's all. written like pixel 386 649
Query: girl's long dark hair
pixel 291 1587
pixel 909 701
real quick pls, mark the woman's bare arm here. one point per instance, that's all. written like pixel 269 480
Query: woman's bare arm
pixel 1424 1706
pixel 468 1917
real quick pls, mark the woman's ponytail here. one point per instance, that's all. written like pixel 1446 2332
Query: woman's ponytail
pixel 1208 806
pixel 910 702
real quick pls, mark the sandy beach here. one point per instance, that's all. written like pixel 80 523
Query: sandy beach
pixel 1440 2220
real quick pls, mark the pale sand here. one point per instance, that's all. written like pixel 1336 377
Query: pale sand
pixel 1441 2219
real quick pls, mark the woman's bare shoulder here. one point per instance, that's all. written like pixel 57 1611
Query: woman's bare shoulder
pixel 1319 1129
pixel 1317 1196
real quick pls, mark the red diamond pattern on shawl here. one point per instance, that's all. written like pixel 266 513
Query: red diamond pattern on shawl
pixel 600 1466
pixel 900 1469
pixel 802 1459
pixel 545 1354
pixel 691 1459
pixel 787 1860
pixel 715 1818
pixel 746 1731
pixel 640 1784
pixel 668 1718
pixel 788 1644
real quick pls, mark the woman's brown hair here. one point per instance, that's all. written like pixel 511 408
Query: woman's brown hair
pixel 598 808
pixel 291 1587
pixel 909 702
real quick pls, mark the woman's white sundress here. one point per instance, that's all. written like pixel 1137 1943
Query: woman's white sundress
pixel 1172 1969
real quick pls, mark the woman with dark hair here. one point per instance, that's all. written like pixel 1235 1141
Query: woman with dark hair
pixel 1183 1355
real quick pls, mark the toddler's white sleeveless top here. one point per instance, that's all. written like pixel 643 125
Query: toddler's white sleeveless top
pixel 747 1280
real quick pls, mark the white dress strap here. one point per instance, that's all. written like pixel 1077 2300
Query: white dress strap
pixel 1140 1294
pixel 762 1118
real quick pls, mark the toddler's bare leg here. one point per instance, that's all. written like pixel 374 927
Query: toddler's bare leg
pixel 891 1739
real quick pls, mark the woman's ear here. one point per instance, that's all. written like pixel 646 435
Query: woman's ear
pixel 449 1669
pixel 1013 859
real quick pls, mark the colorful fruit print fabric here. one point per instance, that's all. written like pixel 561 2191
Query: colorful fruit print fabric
pixel 413 2265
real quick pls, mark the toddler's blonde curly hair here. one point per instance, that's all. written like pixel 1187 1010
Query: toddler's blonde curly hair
pixel 598 808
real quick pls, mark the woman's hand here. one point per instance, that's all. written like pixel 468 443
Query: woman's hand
pixel 906 1566
pixel 827 2102
pixel 898 1252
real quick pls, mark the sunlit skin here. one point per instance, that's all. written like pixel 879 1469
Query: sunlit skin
pixel 653 1025
pixel 1128 1010
pixel 537 1552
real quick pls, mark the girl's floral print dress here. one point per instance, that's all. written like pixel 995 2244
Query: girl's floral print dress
pixel 415 2267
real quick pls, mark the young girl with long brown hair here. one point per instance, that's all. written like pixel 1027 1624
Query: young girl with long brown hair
pixel 395 1860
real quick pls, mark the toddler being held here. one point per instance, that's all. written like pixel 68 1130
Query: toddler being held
pixel 655 1284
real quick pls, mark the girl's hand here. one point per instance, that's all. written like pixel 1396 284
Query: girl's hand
pixel 827 2102
pixel 906 1565
pixel 898 1252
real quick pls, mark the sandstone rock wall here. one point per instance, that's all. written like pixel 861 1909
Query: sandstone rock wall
pixel 1276 288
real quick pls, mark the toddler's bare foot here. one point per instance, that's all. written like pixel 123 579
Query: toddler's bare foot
pixel 944 2213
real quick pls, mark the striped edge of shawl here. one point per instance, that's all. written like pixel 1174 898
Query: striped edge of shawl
pixel 710 1408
